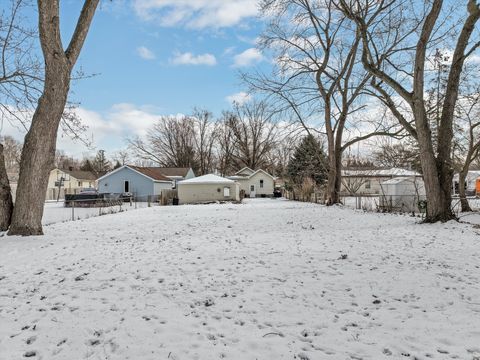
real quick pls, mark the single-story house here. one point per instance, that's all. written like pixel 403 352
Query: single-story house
pixel 177 174
pixel 254 183
pixel 471 181
pixel 402 193
pixel 368 181
pixel 63 181
pixel 140 181
pixel 208 188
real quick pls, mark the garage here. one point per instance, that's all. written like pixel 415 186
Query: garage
pixel 207 188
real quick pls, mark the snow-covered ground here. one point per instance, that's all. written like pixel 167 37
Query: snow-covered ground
pixel 268 279
pixel 55 212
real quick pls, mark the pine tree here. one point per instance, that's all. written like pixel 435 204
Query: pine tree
pixel 308 161
pixel 100 163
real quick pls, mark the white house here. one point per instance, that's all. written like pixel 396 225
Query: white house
pixel 368 181
pixel 255 183
pixel 141 181
pixel 62 181
pixel 207 188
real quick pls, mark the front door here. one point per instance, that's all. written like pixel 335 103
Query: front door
pixel 252 191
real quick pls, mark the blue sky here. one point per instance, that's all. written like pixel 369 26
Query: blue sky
pixel 154 57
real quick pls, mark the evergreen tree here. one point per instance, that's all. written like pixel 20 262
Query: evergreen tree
pixel 100 163
pixel 117 165
pixel 87 165
pixel 308 161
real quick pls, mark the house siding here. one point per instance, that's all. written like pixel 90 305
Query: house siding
pixel 114 183
pixel 197 193
pixel 268 184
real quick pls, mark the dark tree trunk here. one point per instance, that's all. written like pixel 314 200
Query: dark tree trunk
pixel 465 206
pixel 334 180
pixel 6 203
pixel 39 147
pixel 38 155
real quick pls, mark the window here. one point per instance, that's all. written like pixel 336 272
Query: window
pixel 252 187
pixel 368 185
pixel 126 187
pixel 261 184
pixel 79 184
pixel 226 192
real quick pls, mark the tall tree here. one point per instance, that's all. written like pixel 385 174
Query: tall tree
pixel 20 83
pixel 169 143
pixel 205 138
pixel 39 147
pixel 254 134
pixel 317 76
pixel 101 164
pixel 398 36
pixel 308 161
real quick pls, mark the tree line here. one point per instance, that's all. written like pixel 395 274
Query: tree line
pixel 344 72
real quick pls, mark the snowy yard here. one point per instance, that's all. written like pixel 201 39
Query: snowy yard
pixel 56 212
pixel 268 279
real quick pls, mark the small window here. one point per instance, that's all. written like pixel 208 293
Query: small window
pixel 368 185
pixel 261 184
pixel 226 192
pixel 252 187
pixel 79 184
pixel 126 186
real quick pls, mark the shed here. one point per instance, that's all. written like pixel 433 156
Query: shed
pixel 208 188
pixel 402 194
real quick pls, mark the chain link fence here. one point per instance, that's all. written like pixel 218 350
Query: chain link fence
pixel 73 208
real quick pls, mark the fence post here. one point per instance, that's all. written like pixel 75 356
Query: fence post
pixel 73 210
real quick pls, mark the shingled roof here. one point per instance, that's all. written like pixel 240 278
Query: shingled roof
pixel 155 173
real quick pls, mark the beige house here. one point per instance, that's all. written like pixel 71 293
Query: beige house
pixel 207 188
pixel 61 182
pixel 254 183
pixel 368 182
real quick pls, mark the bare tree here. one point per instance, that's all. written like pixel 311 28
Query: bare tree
pixel 397 38
pixel 318 76
pixel 468 113
pixel 254 134
pixel 205 139
pixel 39 147
pixel 225 144
pixel 170 142
pixel 122 157
pixel 20 83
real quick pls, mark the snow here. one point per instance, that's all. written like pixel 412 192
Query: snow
pixel 267 279
pixel 207 179
pixel 55 212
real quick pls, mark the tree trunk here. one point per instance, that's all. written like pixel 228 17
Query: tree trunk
pixel 334 181
pixel 438 198
pixel 6 203
pixel 38 154
pixel 465 206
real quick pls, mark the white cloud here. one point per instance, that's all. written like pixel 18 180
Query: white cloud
pixel 106 130
pixel 239 98
pixel 247 58
pixel 191 59
pixel 197 14
pixel 145 53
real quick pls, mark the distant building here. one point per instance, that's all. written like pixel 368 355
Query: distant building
pixel 472 183
pixel 62 181
pixel 254 183
pixel 368 181
pixel 208 188
pixel 142 181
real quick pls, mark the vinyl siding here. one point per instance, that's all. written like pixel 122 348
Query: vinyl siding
pixel 197 193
